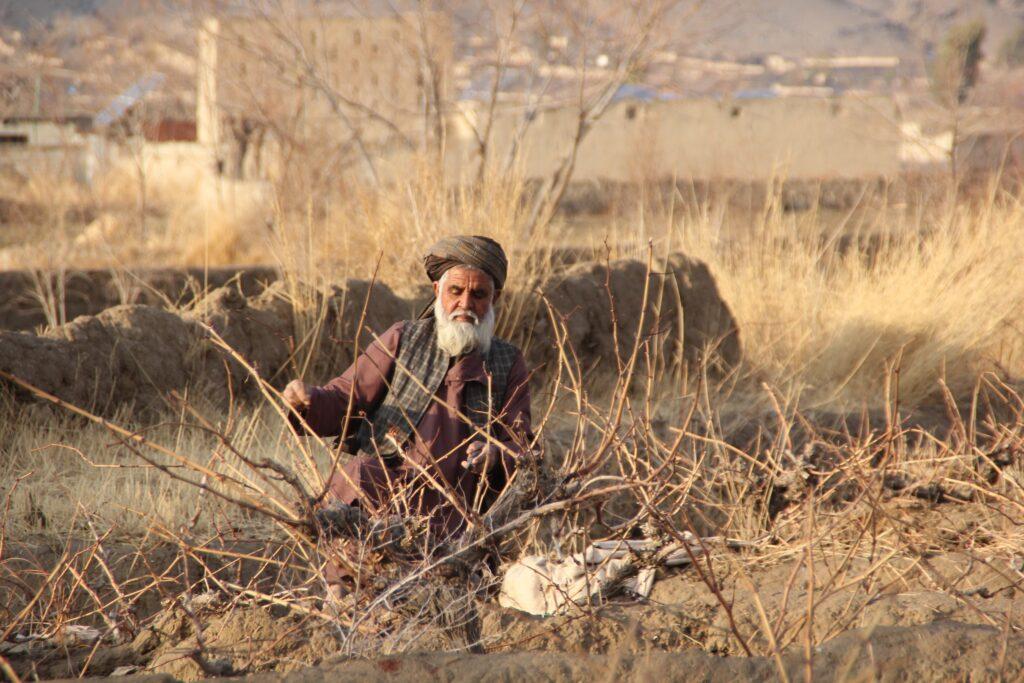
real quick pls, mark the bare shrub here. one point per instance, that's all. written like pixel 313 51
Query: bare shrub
pixel 637 458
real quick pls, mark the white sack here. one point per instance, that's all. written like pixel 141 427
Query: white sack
pixel 543 586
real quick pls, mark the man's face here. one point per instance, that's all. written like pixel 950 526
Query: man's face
pixel 466 289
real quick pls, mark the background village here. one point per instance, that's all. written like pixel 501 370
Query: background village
pixel 227 97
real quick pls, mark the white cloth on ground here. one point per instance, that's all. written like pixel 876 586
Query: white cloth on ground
pixel 544 586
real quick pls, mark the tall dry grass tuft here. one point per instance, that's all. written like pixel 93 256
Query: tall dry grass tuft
pixel 827 303
pixel 344 234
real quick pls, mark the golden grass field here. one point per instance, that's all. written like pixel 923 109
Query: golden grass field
pixel 907 317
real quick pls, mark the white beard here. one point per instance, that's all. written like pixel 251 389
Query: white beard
pixel 456 337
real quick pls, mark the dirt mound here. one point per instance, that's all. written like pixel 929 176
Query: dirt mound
pixel 939 651
pixel 708 323
pixel 99 361
pixel 276 330
pixel 90 292
pixel 258 329
pixel 936 652
pixel 684 314
pixel 140 353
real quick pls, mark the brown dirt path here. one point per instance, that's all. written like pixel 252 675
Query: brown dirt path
pixel 939 651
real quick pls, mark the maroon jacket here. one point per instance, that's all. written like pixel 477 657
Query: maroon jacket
pixel 439 443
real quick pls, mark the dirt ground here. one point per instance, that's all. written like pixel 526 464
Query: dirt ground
pixel 937 652
pixel 939 616
pixel 922 581
pixel 635 643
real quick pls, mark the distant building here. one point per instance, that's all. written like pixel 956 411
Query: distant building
pixel 49 127
pixel 851 62
pixel 38 131
pixel 314 76
pixel 32 145
pixel 169 130
pixel 638 139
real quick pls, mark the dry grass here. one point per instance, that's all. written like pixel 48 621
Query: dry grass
pixel 92 474
pixel 827 503
pixel 825 300
pixel 823 313
pixel 927 315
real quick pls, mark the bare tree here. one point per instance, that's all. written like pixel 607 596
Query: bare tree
pixel 604 45
pixel 637 42
pixel 954 74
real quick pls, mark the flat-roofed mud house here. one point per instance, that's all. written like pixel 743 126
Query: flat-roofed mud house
pixel 266 84
pixel 712 139
pixel 47 145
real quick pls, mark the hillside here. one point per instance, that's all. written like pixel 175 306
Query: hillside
pixel 800 28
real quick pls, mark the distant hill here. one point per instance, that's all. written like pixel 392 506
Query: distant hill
pixel 93 50
pixel 25 15
pixel 806 28
pixel 736 28
pixel 75 56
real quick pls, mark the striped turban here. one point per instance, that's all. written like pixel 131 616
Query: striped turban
pixel 477 251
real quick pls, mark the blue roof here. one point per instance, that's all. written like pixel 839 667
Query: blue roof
pixel 126 100
pixel 755 94
pixel 635 91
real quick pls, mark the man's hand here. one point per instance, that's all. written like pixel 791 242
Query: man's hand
pixel 481 457
pixel 296 394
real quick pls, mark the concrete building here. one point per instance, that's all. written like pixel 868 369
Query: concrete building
pixel 333 77
pixel 38 131
pixel 41 145
pixel 50 129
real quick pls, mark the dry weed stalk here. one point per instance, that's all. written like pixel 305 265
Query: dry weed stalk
pixel 638 458
pixel 252 485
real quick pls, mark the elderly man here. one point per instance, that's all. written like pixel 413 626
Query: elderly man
pixel 437 409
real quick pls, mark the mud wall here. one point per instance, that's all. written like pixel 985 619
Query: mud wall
pixel 89 292
pixel 140 353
